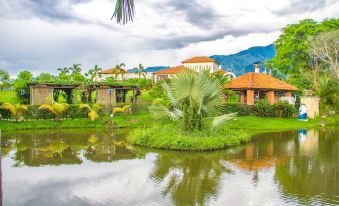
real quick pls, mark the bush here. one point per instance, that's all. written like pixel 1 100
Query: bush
pixel 170 136
pixel 261 109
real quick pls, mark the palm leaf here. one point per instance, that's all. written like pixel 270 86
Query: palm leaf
pixel 124 11
pixel 218 121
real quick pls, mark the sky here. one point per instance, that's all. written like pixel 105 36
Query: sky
pixel 43 35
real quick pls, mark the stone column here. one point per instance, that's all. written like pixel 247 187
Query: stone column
pixel 103 97
pixel 270 97
pixel 288 94
pixel 41 95
pixel 250 97
pixel 312 105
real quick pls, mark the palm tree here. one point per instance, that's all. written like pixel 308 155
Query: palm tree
pixel 93 110
pixel 140 71
pixel 124 11
pixel 193 96
pixel 94 73
pixel 64 70
pixel 118 69
pixel 16 110
pixel 56 108
pixel 76 69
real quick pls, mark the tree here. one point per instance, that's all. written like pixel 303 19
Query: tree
pixel 324 49
pixel 21 86
pixel 56 108
pixel 16 110
pixel 124 11
pixel 92 110
pixel 292 45
pixel 193 96
pixel 45 77
pixel 4 79
pixel 94 73
pixel 118 69
pixel 140 71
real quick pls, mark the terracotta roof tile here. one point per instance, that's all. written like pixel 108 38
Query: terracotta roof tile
pixel 172 70
pixel 200 59
pixel 259 81
pixel 109 71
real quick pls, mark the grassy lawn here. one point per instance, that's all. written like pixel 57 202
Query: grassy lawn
pixel 8 97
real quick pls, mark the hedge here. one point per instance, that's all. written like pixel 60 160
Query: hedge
pixel 261 109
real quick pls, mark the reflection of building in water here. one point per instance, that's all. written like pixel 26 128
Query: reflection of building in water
pixel 308 141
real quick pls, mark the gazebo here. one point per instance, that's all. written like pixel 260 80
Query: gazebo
pixel 255 85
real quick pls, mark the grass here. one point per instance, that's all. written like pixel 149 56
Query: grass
pixel 118 121
pixel 8 97
pixel 170 136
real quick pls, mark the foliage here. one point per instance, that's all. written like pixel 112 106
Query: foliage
pixel 329 95
pixel 140 70
pixel 4 79
pixel 192 96
pixel 92 110
pixel 94 73
pixel 56 108
pixel 124 11
pixel 16 110
pixel 45 78
pixel 169 136
pixel 9 97
pixel 292 45
pixel 124 109
pixel 141 82
pixel 21 86
pixel 157 90
pixel 119 69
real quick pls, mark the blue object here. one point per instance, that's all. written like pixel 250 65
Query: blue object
pixel 302 113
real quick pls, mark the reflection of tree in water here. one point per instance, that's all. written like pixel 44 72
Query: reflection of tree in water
pixel 312 171
pixel 55 147
pixel 192 178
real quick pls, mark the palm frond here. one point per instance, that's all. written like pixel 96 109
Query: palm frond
pixel 161 111
pixel 48 107
pixel 124 11
pixel 218 121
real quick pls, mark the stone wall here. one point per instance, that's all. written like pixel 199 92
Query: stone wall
pixel 41 95
pixel 312 105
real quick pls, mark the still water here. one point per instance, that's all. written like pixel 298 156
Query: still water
pixel 95 167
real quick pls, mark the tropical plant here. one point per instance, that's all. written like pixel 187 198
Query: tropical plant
pixel 193 96
pixel 124 11
pixel 21 86
pixel 4 79
pixel 119 69
pixel 140 71
pixel 94 73
pixel 125 109
pixel 76 68
pixel 56 108
pixel 16 110
pixel 92 110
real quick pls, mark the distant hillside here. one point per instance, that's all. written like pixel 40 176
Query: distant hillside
pixel 241 62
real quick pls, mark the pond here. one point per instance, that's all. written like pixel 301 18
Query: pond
pixel 97 167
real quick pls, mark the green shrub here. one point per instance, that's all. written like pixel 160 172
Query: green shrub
pixel 262 109
pixel 170 136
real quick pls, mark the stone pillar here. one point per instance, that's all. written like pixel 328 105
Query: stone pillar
pixel 250 97
pixel 288 94
pixel 242 97
pixel 41 95
pixel 312 105
pixel 271 97
pixel 103 97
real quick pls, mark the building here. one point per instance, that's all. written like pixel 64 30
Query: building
pixel 109 72
pixel 256 86
pixel 198 64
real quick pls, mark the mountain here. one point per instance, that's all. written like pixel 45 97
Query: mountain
pixel 242 62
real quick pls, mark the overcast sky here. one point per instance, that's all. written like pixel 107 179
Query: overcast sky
pixel 43 35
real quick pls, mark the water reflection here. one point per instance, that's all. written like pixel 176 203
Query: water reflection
pixel 96 167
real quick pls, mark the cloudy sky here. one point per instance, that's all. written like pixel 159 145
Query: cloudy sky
pixel 43 35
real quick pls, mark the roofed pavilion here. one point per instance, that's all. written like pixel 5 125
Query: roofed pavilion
pixel 255 85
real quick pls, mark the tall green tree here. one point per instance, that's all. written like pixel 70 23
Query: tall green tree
pixel 292 45
pixel 4 79
pixel 119 69
pixel 45 77
pixel 140 71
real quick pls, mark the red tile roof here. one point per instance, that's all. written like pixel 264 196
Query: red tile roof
pixel 172 70
pixel 200 59
pixel 259 81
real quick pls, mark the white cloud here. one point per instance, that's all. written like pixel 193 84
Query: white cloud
pixel 44 35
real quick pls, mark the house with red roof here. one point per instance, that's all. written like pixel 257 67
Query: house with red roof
pixel 197 64
pixel 256 86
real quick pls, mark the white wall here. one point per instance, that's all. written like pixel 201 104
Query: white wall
pixel 199 67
